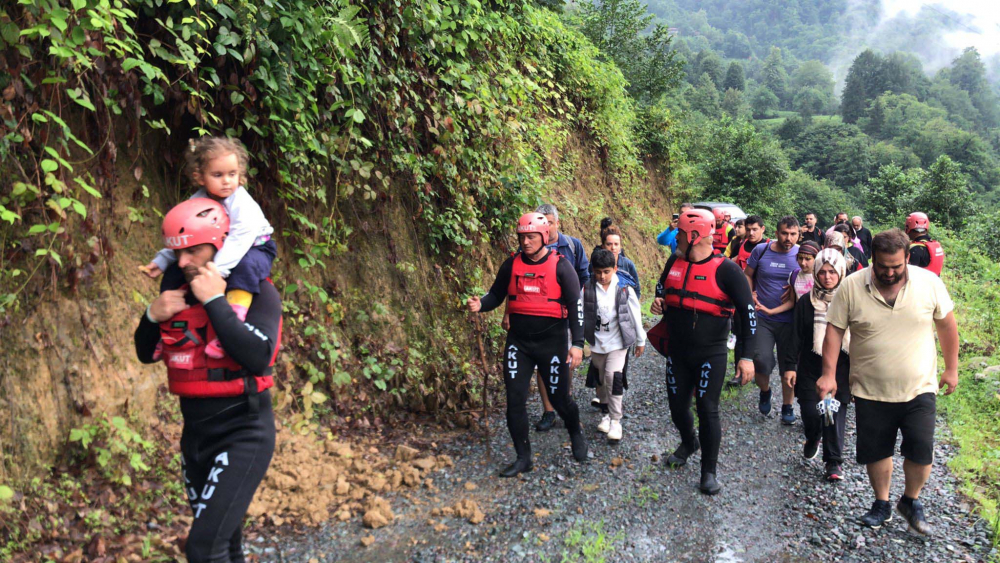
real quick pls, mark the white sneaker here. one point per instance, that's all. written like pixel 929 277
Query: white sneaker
pixel 615 432
pixel 605 424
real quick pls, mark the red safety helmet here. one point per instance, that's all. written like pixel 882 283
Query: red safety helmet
pixel 917 220
pixel 534 223
pixel 697 223
pixel 195 221
pixel 720 214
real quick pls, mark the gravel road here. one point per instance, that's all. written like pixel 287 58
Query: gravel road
pixel 774 505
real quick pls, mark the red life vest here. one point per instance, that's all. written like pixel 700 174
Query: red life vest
pixel 937 254
pixel 694 287
pixel 744 254
pixel 720 238
pixel 534 289
pixel 191 373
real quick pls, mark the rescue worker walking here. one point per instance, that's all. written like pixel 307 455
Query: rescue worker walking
pixel 228 435
pixel 924 252
pixel 543 296
pixel 699 291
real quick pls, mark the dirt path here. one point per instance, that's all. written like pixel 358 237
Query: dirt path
pixel 774 505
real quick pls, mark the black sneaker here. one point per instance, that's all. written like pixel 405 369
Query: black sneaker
pixel 880 513
pixel 764 403
pixel 578 443
pixel 547 421
pixel 810 450
pixel 913 513
pixel 787 415
pixel 709 485
pixel 680 456
pixel 834 472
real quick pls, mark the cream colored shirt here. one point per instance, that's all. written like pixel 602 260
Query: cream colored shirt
pixel 893 351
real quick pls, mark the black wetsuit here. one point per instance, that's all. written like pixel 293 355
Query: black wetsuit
pixel 538 341
pixel 697 359
pixel 226 443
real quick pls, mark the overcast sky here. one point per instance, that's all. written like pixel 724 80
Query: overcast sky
pixel 983 32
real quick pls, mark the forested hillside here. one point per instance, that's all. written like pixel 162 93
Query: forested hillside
pixel 393 145
pixel 880 131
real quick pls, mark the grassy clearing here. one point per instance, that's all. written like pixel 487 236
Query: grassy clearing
pixel 973 412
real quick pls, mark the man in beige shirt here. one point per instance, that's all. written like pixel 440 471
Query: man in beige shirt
pixel 892 311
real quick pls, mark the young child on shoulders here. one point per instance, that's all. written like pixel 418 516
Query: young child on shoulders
pixel 218 167
pixel 612 322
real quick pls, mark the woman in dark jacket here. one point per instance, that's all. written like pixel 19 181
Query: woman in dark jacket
pixel 806 352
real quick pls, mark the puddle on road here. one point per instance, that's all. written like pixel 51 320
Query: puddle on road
pixel 727 556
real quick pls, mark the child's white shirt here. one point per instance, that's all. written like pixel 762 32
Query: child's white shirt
pixel 247 228
pixel 607 334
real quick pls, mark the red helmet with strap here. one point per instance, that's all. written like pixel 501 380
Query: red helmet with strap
pixel 719 213
pixel 917 220
pixel 697 224
pixel 534 223
pixel 195 221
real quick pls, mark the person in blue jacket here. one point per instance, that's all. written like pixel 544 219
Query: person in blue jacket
pixel 669 236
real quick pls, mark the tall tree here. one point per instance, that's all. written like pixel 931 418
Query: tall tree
pixel 709 63
pixel 734 77
pixel 945 195
pixel 763 101
pixel 647 60
pixel 863 84
pixel 814 74
pixel 888 195
pixel 741 164
pixel 775 77
pixel 737 45
pixel 705 97
pixel 733 104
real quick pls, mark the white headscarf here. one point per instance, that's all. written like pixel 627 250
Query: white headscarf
pixel 821 298
pixel 837 238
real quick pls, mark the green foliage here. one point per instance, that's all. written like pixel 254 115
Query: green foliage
pixel 744 166
pixel 863 84
pixel 763 101
pixel 773 75
pixel 810 195
pixel 707 62
pixel 734 77
pixel 705 97
pixel 945 195
pixel 971 273
pixel 646 59
pixel 887 196
pixel 809 102
pixel 733 104
pixel 118 451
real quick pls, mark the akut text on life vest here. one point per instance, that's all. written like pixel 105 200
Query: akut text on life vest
pixel 191 373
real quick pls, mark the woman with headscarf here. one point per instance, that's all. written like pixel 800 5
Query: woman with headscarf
pixel 853 244
pixel 838 241
pixel 806 353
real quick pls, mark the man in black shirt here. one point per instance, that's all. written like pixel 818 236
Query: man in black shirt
pixel 864 235
pixel 810 231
